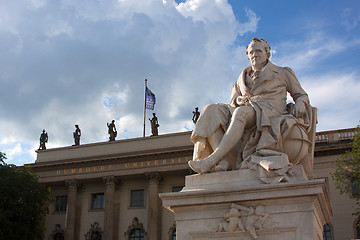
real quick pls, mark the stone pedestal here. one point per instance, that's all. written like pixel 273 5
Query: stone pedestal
pixel 294 210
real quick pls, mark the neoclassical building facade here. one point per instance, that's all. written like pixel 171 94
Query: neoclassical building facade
pixel 109 190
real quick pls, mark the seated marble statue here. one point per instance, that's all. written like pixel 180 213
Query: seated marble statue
pixel 257 129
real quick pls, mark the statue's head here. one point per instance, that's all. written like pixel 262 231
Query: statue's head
pixel 77 126
pixel 251 211
pixel 43 130
pixel 259 210
pixel 113 121
pixel 258 52
pixel 234 210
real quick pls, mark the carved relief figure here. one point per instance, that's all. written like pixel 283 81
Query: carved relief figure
pixel 231 222
pixel 77 135
pixel 154 125
pixel 196 115
pixel 257 129
pixel 241 218
pixel 43 140
pixel 112 131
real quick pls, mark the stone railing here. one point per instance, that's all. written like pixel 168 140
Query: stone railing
pixel 334 136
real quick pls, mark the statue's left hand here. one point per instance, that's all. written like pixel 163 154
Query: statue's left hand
pixel 299 109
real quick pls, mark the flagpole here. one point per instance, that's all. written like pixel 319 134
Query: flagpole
pixel 144 107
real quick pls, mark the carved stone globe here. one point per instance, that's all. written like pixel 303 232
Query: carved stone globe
pixel 296 145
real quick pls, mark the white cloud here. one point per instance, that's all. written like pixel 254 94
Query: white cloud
pixel 251 25
pixel 16 150
pixel 59 27
pixel 207 11
pixel 349 19
pixel 330 89
pixel 334 94
pixel 84 62
pixel 304 54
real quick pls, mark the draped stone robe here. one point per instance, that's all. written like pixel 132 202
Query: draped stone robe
pixel 266 93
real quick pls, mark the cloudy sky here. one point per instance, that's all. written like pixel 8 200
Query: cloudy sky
pixel 84 62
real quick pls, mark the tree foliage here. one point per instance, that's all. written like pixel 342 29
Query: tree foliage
pixel 347 171
pixel 23 203
pixel 2 158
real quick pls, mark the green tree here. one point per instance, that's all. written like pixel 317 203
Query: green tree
pixel 347 171
pixel 23 203
pixel 2 158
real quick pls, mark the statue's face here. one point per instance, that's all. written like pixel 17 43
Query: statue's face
pixel 257 54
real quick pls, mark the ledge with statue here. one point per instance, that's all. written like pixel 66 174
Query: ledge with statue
pixel 254 162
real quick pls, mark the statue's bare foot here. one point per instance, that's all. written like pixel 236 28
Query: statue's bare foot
pixel 223 165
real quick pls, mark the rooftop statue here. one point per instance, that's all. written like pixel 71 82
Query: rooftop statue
pixel 43 139
pixel 257 129
pixel 112 130
pixel 196 115
pixel 154 125
pixel 77 135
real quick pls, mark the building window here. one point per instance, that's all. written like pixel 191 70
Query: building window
pixel 177 188
pixel 97 201
pixel 136 231
pixel 327 235
pixel 60 203
pixel 174 234
pixel 57 233
pixel 95 232
pixel 136 234
pixel 355 188
pixel 58 236
pixel 137 198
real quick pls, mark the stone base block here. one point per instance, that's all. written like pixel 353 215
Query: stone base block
pixel 234 205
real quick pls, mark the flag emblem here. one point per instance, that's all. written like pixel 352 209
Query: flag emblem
pixel 150 99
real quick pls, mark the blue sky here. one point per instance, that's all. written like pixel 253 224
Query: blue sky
pixel 84 62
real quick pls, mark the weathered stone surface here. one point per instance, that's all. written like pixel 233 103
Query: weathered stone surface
pixel 297 209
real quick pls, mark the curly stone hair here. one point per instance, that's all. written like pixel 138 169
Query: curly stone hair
pixel 263 42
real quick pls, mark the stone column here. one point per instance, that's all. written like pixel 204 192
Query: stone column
pixel 72 186
pixel 109 207
pixel 153 206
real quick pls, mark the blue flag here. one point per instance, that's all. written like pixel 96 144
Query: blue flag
pixel 150 99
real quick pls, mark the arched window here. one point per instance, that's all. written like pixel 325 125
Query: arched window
pixel 137 234
pixel 94 233
pixel 57 233
pixel 58 236
pixel 327 233
pixel 136 231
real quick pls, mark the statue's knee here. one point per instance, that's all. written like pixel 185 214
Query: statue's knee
pixel 244 114
pixel 211 109
pixel 239 115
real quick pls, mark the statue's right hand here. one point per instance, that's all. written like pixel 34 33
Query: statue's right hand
pixel 299 109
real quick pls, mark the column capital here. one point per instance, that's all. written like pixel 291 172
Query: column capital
pixel 153 176
pixel 72 183
pixel 111 180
